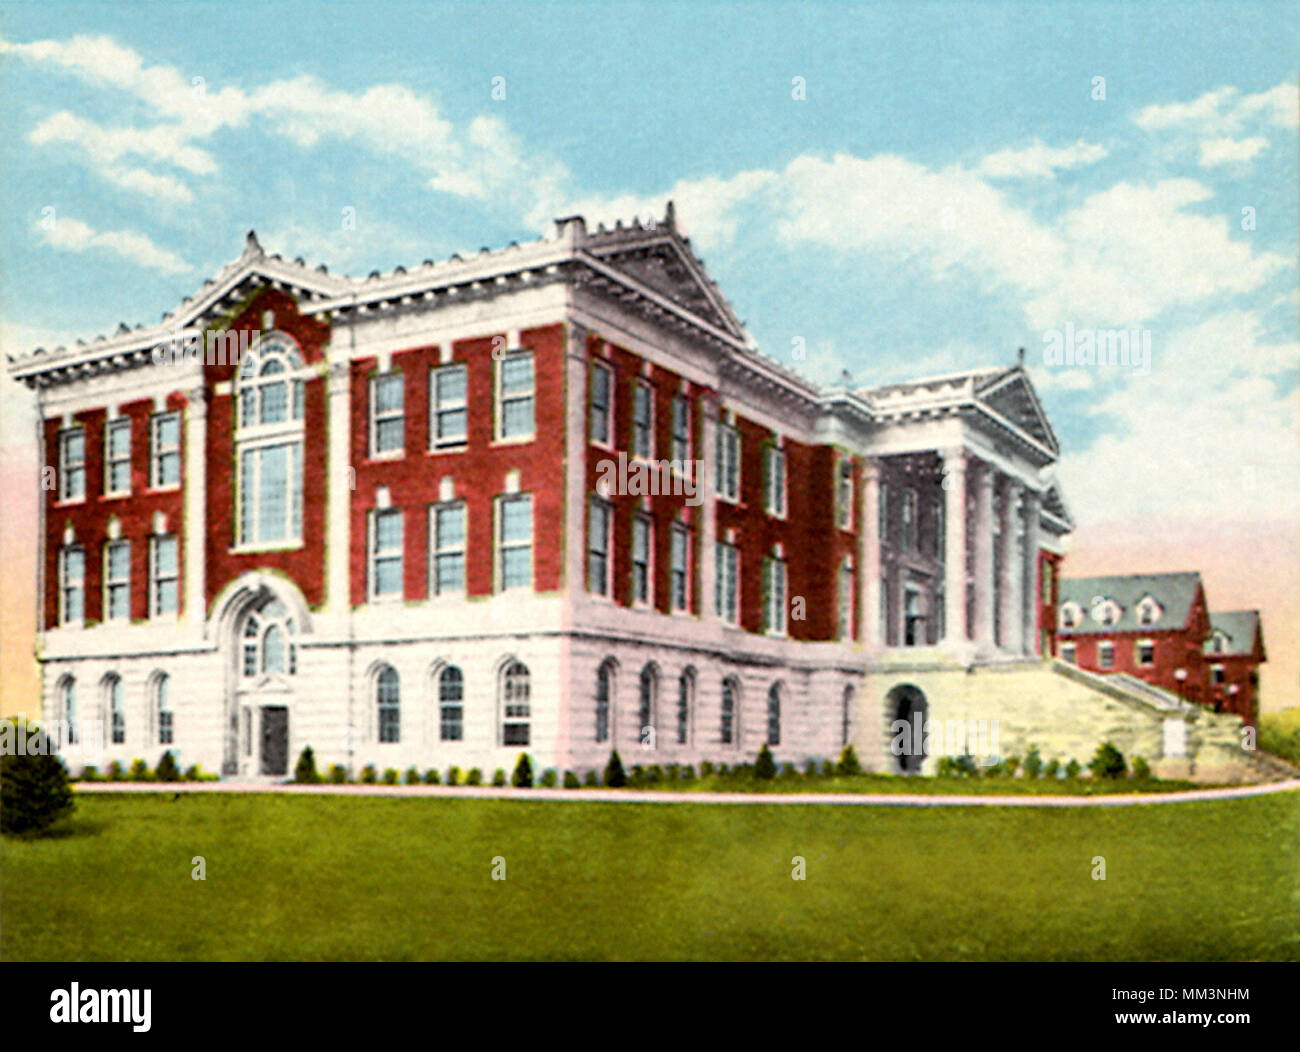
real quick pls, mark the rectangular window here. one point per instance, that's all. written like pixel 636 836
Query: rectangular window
pixel 166 454
pixel 681 567
pixel 642 545
pixel 270 494
pixel 72 465
pixel 845 619
pixel 387 414
pixel 72 585
pixel 598 524
pixel 117 457
pixel 909 519
pixel 643 416
pixel 883 526
pixel 515 391
pixel 844 494
pixel 1106 655
pixel 681 430
pixel 774 481
pixel 601 389
pixel 1146 652
pixel 447 536
pixel 449 390
pixel 515 541
pixel 937 509
pixel 728 462
pixel 883 631
pixel 1069 653
pixel 117 581
pixel 163 570
pixel 386 553
pixel 775 586
pixel 727 582
pixel 1217 676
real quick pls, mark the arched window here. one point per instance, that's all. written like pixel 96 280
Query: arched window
pixel 451 708
pixel 604 691
pixel 68 707
pixel 685 688
pixel 846 717
pixel 646 709
pixel 774 715
pixel 388 697
pixel 163 710
pixel 116 708
pixel 268 642
pixel 515 710
pixel 729 721
pixel 269 440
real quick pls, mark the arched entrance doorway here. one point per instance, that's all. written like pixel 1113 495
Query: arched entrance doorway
pixel 908 713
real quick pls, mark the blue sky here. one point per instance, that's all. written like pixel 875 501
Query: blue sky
pixel 949 189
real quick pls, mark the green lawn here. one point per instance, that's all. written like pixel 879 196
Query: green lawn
pixel 330 878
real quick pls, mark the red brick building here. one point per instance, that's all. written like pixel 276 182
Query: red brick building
pixel 1234 652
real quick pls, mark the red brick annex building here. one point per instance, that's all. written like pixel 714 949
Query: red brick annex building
pixel 549 498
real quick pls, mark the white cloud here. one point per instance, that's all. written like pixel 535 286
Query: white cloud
pixel 1224 111
pixel 1230 151
pixel 1039 159
pixel 72 235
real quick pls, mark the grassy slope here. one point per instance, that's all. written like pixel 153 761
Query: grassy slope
pixel 1279 733
pixel 347 878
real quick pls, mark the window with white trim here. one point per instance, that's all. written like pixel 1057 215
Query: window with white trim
pixel 447 546
pixel 163 574
pixel 643 421
pixel 774 589
pixel 516 704
pixel 388 701
pixel 163 715
pixel 72 585
pixel 599 519
pixel 387 415
pixel 727 582
pixel 681 430
pixel 116 708
pixel 774 715
pixel 1071 613
pixel 680 574
pixel 451 704
pixel 117 457
pixel 449 391
pixel 1069 653
pixel 909 519
pixel 268 642
pixel 774 481
pixel 269 442
pixel 386 553
pixel 729 729
pixel 882 527
pixel 604 691
pixel 728 463
pixel 117 581
pixel 642 549
pixel 165 458
pixel 515 541
pixel 72 464
pixel 1106 655
pixel 685 688
pixel 844 494
pixel 270 487
pixel 1145 652
pixel 648 697
pixel 844 622
pixel 68 708
pixel 515 395
pixel 602 390
pixel 1217 675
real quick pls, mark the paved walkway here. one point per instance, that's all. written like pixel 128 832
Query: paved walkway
pixel 650 796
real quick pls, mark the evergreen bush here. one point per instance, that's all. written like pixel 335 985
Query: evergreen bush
pixel 304 771
pixel 167 771
pixel 34 789
pixel 1107 762
pixel 848 765
pixel 615 776
pixel 523 775
pixel 765 767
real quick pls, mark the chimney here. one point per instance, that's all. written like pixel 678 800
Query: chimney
pixel 572 228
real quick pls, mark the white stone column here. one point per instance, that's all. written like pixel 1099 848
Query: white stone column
pixel 954 571
pixel 576 495
pixel 1010 578
pixel 707 527
pixel 196 506
pixel 339 501
pixel 984 587
pixel 870 630
pixel 1033 506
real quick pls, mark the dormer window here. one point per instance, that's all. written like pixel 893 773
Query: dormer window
pixel 1148 611
pixel 1218 643
pixel 1071 615
pixel 1106 612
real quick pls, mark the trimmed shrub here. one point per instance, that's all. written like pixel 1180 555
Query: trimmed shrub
pixel 810 769
pixel 788 771
pixel 390 776
pixel 673 772
pixel 848 765
pixel 453 775
pixel 1010 765
pixel 765 768
pixel 432 777
pixel 1053 768
pixel 706 769
pixel 368 774
pixel 1107 762
pixel 723 770
pixel 523 774
pixel 1072 769
pixel 591 781
pixel 167 771
pixel 615 776
pixel 139 771
pixel 475 777
pixel 1033 763
pixel 499 777
pixel 688 773
pixel 1141 769
pixel 304 771
pixel 194 773
pixel 548 779
pixel 654 774
pixel 34 789
pixel 571 781
pixel 828 769
pixel 88 774
pixel 114 772
pixel 338 775
pixel 413 775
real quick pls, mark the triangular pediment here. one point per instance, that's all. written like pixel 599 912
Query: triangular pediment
pixel 1012 397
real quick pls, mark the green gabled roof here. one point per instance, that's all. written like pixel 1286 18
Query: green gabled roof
pixel 1175 592
pixel 1240 626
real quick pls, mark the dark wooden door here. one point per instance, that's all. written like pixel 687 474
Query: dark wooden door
pixel 275 740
